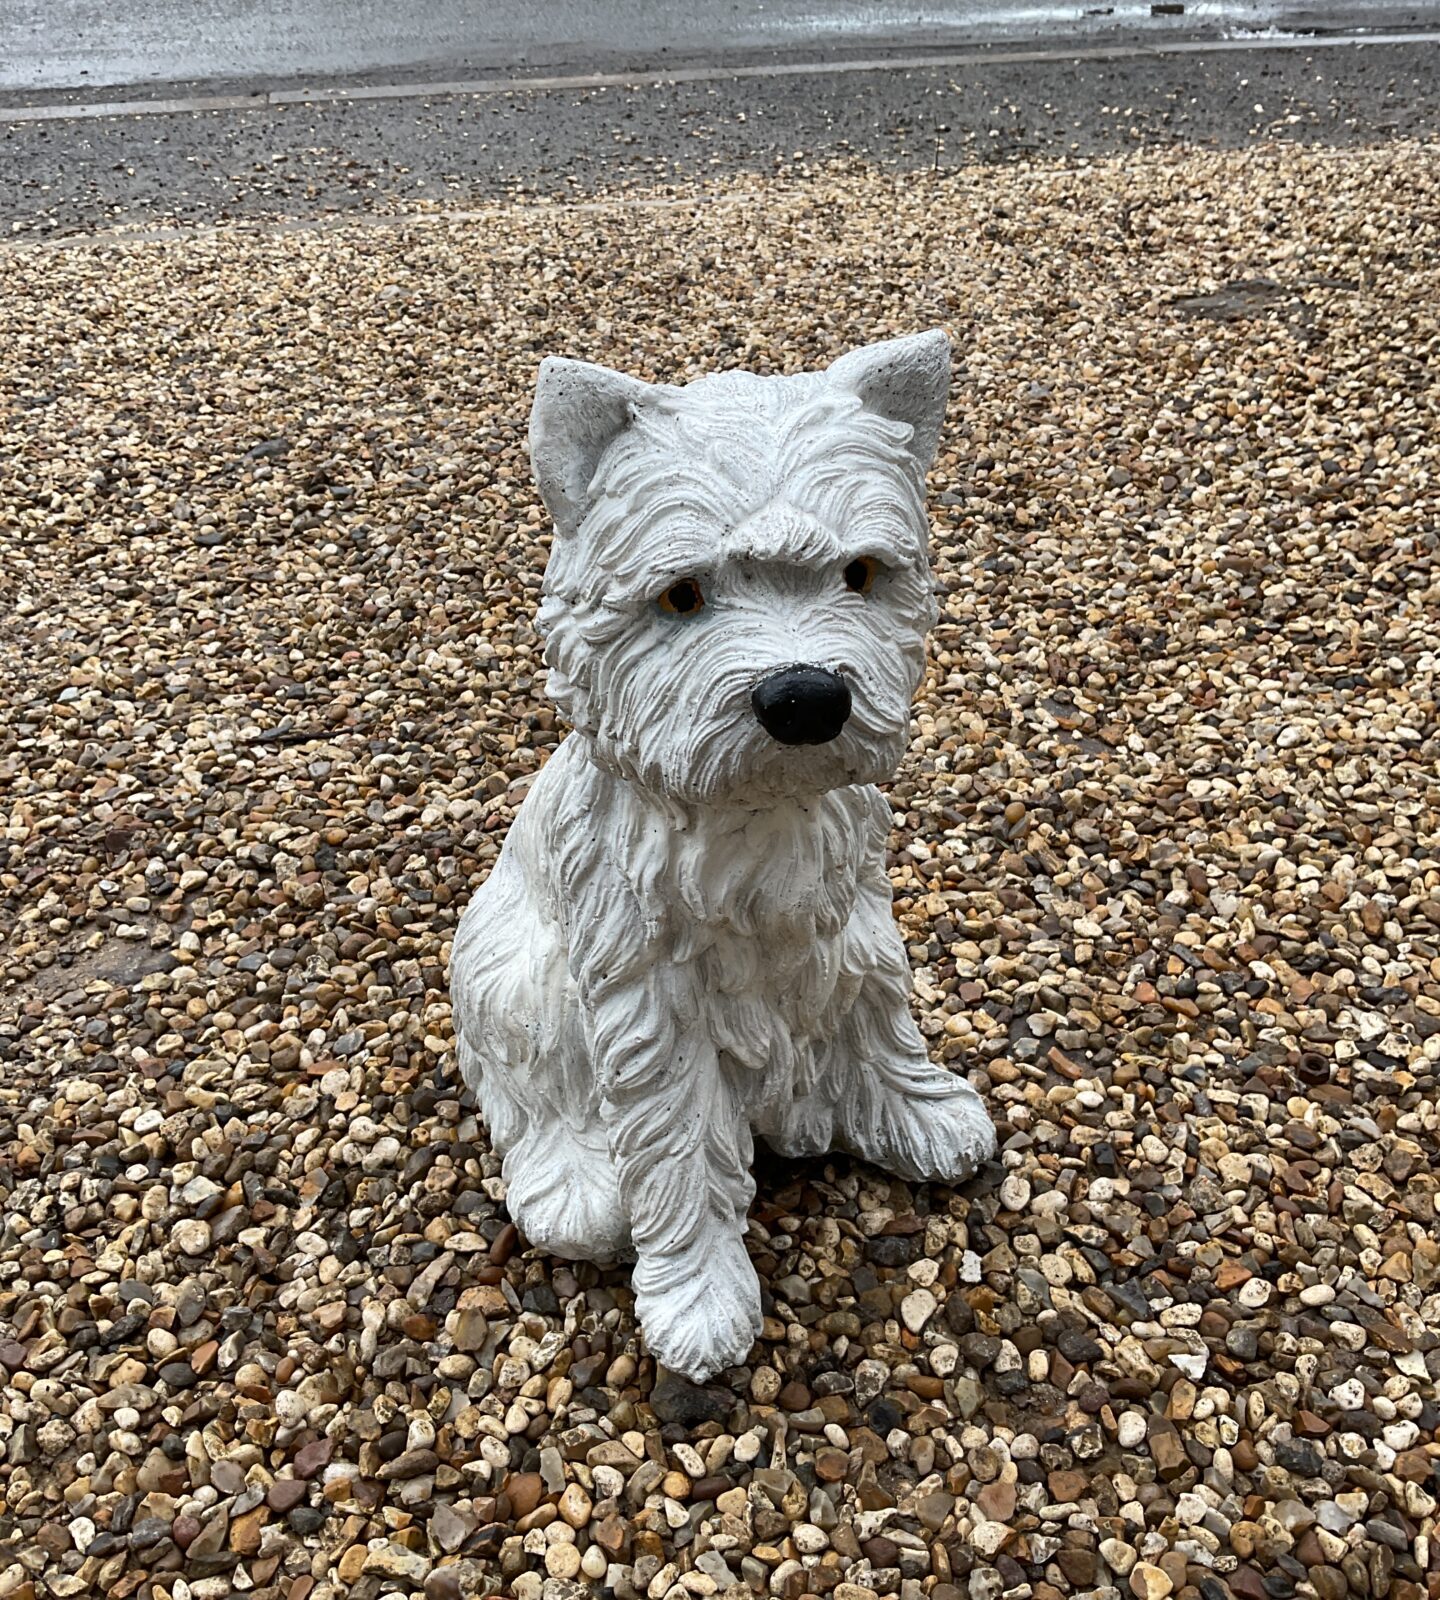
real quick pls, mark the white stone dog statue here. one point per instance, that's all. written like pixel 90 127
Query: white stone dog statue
pixel 688 936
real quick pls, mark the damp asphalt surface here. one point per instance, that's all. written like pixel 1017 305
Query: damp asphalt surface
pixel 81 173
pixel 62 45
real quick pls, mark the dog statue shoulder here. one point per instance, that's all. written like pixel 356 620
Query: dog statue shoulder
pixel 688 937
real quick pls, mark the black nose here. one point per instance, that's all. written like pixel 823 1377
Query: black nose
pixel 802 705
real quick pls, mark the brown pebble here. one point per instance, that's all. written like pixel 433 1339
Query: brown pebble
pixel 1247 1584
pixel 245 1531
pixel 710 1488
pixel 285 1494
pixel 610 1533
pixel 310 1458
pixel 525 1490
pixel 880 1551
pixel 1067 1486
pixel 997 1501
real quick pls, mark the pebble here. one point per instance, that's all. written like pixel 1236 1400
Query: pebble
pixel 562 1561
pixel 1149 1582
pixel 1119 1556
pixel 917 1308
pixel 395 1561
pixel 191 1237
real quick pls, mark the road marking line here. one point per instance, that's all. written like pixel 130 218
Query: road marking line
pixel 135 108
pixel 262 100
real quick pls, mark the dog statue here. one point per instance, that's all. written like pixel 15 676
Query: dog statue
pixel 688 936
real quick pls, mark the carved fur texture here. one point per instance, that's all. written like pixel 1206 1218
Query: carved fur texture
pixel 687 938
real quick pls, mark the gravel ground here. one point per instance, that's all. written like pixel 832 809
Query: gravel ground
pixel 1167 856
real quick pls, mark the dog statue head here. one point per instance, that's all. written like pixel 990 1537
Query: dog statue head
pixel 736 603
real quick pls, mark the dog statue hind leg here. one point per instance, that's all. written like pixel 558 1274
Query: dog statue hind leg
pixel 524 1049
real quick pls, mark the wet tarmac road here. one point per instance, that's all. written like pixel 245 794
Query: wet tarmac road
pixel 59 45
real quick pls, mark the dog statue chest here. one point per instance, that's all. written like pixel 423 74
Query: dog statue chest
pixel 776 876
pixel 758 906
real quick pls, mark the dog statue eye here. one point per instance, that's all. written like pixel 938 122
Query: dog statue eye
pixel 682 599
pixel 860 574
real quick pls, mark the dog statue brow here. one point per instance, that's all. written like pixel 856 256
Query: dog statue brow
pixel 780 532
pixel 580 408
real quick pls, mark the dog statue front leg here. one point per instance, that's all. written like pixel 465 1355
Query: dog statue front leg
pixel 681 1150
pixel 893 1105
pixel 876 1092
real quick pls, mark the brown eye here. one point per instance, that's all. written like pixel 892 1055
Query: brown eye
pixel 860 574
pixel 682 599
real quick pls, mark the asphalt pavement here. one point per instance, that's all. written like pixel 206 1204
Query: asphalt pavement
pixel 76 167
pixel 88 45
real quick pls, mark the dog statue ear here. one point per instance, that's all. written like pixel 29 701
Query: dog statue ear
pixel 579 408
pixel 906 380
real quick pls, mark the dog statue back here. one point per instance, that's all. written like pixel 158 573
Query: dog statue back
pixel 688 937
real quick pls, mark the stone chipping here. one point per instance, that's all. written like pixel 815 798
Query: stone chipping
pixel 1166 855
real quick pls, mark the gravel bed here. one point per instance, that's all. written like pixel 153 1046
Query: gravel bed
pixel 1167 856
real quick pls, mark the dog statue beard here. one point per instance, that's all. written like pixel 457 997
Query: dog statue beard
pixel 687 938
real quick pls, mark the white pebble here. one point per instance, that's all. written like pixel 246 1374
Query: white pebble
pixel 190 1236
pixel 1350 1395
pixel 1130 1429
pixel 917 1308
pixel 943 1360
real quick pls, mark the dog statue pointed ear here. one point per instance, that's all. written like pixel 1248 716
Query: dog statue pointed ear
pixel 906 380
pixel 579 408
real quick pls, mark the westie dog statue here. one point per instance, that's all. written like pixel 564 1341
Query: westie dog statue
pixel 688 937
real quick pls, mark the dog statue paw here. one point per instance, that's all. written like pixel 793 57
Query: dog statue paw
pixel 688 938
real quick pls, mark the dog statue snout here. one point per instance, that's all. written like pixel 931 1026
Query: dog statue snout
pixel 802 705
